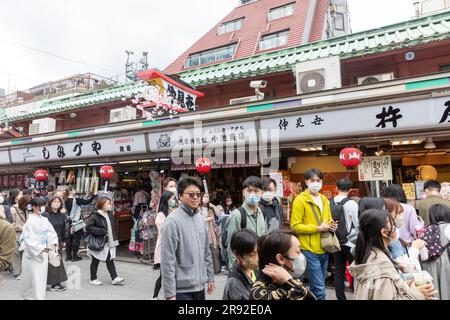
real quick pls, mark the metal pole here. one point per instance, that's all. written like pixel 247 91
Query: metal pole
pixel 377 183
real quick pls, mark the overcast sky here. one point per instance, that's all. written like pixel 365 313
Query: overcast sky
pixel 97 32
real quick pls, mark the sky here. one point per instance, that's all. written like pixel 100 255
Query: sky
pixel 46 40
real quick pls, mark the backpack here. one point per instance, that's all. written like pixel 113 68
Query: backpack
pixel 338 213
pixel 225 226
pixel 432 237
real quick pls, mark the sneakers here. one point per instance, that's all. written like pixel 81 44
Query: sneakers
pixel 57 288
pixel 96 282
pixel 117 280
pixel 17 277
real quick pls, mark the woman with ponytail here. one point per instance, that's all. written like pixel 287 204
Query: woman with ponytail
pixel 376 274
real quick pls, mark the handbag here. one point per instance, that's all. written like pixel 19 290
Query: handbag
pixel 77 226
pixel 328 240
pixel 95 243
pixel 54 259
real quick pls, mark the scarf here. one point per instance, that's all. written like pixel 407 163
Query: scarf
pixel 111 241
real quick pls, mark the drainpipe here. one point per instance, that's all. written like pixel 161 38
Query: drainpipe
pixel 309 21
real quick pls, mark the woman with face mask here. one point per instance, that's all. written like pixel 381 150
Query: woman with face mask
pixel 102 225
pixel 281 264
pixel 212 218
pixel 167 204
pixel 54 214
pixel 39 237
pixel 244 272
pixel 376 274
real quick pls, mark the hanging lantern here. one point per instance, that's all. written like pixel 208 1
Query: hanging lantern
pixel 350 157
pixel 106 172
pixel 203 165
pixel 41 175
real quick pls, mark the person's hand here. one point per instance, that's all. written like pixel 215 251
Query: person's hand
pixel 45 250
pixel 427 290
pixel 324 227
pixel 173 298
pixel 333 226
pixel 418 244
pixel 278 274
pixel 210 288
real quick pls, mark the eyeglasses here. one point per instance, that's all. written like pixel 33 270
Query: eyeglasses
pixel 194 195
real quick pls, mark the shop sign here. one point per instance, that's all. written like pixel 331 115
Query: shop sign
pixel 410 191
pixel 420 190
pixel 378 119
pixel 278 177
pixel 375 169
pixel 4 157
pixel 219 135
pixel 80 150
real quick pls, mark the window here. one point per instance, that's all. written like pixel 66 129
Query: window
pixel 210 56
pixel 280 12
pixel 274 40
pixel 339 23
pixel 230 26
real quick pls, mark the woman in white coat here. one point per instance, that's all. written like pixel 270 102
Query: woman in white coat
pixel 39 237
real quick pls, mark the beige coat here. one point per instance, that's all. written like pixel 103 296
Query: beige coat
pixel 379 280
pixel 160 218
pixel 19 219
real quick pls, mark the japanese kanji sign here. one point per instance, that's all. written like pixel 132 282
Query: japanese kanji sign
pixel 238 132
pixel 79 150
pixel 378 119
pixel 375 169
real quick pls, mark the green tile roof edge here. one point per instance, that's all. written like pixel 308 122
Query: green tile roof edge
pixel 427 83
pixel 424 21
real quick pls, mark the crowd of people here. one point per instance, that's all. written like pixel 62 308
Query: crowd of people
pixel 391 248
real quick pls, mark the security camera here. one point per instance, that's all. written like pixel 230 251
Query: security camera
pixel 258 84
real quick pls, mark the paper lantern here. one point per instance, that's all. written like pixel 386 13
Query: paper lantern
pixel 426 173
pixel 106 172
pixel 203 165
pixel 41 175
pixel 350 157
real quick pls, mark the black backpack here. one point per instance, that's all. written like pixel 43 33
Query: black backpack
pixel 225 228
pixel 338 213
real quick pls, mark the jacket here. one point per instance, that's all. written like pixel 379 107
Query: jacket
pixel 305 224
pixel 20 218
pixel 425 204
pixel 7 244
pixel 98 226
pixel 160 218
pixel 238 285
pixel 186 261
pixel 255 223
pixel 265 289
pixel 273 214
pixel 378 279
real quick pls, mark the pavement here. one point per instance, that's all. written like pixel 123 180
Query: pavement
pixel 139 284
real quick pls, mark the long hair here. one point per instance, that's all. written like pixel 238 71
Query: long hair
pixel 164 202
pixel 371 222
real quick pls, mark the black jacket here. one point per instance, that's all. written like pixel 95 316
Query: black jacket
pixel 98 226
pixel 273 214
pixel 238 285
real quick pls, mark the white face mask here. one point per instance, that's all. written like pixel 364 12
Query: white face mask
pixel 397 235
pixel 1 199
pixel 315 187
pixel 268 196
pixel 108 207
pixel 298 265
pixel 56 206
pixel 42 209
pixel 399 221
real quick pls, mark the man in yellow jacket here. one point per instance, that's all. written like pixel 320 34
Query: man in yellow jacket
pixel 304 222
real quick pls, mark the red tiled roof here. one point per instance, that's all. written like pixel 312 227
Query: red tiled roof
pixel 255 25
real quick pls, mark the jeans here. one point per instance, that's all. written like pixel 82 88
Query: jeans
pixel 340 263
pixel 316 268
pixel 200 295
pixel 109 264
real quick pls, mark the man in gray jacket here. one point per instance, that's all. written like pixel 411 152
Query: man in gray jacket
pixel 186 261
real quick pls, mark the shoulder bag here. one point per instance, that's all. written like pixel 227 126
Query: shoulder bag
pixel 328 240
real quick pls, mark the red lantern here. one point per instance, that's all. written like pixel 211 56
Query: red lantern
pixel 106 172
pixel 203 165
pixel 41 175
pixel 350 157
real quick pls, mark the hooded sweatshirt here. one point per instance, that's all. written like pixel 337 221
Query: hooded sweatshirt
pixel 378 279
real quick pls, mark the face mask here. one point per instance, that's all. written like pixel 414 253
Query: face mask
pixel 42 209
pixel 397 236
pixel 172 203
pixel 268 196
pixel 298 265
pixel 205 200
pixel 108 207
pixel 399 221
pixel 1 199
pixel 315 187
pixel 56 206
pixel 249 265
pixel 173 190
pixel 252 199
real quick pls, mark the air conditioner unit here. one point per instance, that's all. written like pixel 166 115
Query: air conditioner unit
pixel 375 78
pixel 243 100
pixel 42 126
pixel 122 114
pixel 317 75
